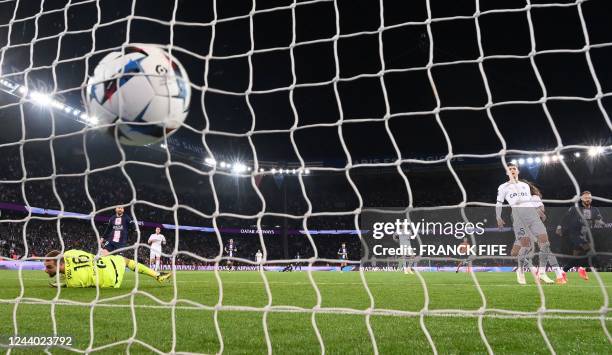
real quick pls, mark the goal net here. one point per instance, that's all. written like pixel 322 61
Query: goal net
pixel 312 126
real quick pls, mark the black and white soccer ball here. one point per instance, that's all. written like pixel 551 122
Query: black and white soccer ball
pixel 143 89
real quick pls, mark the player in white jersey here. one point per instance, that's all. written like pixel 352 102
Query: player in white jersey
pixel 258 258
pixel 407 261
pixel 155 241
pixel 527 221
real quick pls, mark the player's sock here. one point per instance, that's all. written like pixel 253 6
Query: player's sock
pixel 524 258
pixel 552 261
pixel 141 268
pixel 545 256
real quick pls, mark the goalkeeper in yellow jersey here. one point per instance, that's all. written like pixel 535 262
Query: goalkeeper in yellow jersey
pixel 81 269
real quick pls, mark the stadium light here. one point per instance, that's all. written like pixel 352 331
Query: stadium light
pixel 521 161
pixel 513 161
pixel 273 171
pixel 307 171
pixel 223 164
pixel 58 105
pixel 530 160
pixel 239 168
pixel 577 154
pixel 22 90
pixel 261 170
pixel 210 161
pixel 545 159
pixel 40 98
pixel 561 157
pixel 595 151
pixel 538 160
pixel 555 158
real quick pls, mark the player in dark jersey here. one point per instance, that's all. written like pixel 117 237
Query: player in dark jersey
pixel 343 255
pixel 576 224
pixel 230 251
pixel 117 231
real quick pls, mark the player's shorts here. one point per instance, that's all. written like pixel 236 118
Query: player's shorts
pixel 112 246
pixel 527 223
pixel 155 253
pixel 112 276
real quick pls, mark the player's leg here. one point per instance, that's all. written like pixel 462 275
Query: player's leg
pixel 158 262
pixel 582 262
pixel 153 259
pixel 580 247
pixel 547 258
pixel 143 269
pixel 520 275
pixel 522 246
pixel 524 259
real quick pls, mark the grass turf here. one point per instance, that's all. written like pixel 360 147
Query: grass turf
pixel 243 331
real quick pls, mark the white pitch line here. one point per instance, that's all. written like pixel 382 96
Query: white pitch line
pixel 291 309
pixel 212 281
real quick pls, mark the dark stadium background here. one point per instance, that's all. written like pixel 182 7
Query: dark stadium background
pixel 524 126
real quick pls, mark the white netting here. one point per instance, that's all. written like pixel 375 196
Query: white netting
pixel 17 16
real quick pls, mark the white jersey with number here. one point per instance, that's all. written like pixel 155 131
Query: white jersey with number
pixel 526 220
pixel 156 241
pixel 258 257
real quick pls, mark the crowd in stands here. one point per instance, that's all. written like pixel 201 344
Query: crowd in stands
pixel 98 192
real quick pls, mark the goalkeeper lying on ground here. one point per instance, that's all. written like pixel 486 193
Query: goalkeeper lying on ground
pixel 80 269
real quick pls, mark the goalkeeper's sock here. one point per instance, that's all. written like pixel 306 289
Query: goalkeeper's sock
pixel 141 268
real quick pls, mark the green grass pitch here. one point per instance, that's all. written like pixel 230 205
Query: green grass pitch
pixel 293 333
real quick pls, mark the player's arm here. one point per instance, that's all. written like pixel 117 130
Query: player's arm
pixel 565 221
pixel 107 230
pixel 150 241
pixel 598 218
pixel 131 227
pixel 498 207
pixel 163 240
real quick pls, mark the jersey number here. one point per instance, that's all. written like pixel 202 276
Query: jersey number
pixel 83 260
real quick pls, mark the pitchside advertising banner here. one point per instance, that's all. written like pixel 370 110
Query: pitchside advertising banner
pixel 445 236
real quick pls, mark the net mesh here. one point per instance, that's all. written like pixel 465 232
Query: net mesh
pixel 14 20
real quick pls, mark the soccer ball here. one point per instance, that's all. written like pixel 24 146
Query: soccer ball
pixel 144 90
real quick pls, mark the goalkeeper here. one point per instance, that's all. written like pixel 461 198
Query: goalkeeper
pixel 81 269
